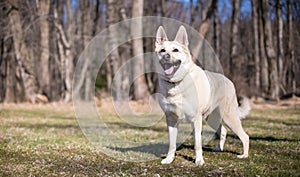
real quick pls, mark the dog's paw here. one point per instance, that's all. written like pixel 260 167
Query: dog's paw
pixel 242 156
pixel 199 162
pixel 218 149
pixel 167 160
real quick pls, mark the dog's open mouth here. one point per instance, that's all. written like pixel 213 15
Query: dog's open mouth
pixel 170 67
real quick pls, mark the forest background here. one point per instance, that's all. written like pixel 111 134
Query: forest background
pixel 41 41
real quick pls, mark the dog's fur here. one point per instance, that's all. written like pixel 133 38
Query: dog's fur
pixel 188 92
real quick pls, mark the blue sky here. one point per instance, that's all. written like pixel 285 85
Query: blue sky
pixel 225 8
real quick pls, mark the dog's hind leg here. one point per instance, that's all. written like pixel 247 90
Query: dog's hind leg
pixel 214 121
pixel 222 132
pixel 235 124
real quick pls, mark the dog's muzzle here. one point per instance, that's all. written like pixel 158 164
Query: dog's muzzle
pixel 169 66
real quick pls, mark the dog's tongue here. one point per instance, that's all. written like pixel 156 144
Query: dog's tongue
pixel 169 68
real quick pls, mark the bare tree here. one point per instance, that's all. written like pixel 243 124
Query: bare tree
pixel 150 9
pixel 291 54
pixel 113 62
pixel 206 19
pixel 280 51
pixel 234 36
pixel 8 69
pixel 65 44
pixel 24 60
pixel 271 55
pixel 264 74
pixel 69 54
pixel 86 35
pixel 216 25
pixel 140 87
pixel 40 41
pixel 256 44
pixel 43 7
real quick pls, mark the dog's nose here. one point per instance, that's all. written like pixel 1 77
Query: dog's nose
pixel 166 56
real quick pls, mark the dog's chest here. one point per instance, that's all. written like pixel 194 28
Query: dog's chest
pixel 179 103
pixel 174 104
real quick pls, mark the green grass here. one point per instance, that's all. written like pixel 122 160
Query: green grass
pixel 41 141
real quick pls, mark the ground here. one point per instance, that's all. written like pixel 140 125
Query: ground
pixel 46 140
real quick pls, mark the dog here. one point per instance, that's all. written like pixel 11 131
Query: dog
pixel 187 92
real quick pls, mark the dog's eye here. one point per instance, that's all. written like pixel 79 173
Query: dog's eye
pixel 162 50
pixel 175 50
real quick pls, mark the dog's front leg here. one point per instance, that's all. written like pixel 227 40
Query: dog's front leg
pixel 197 126
pixel 173 131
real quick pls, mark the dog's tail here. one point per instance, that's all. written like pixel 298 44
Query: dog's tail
pixel 244 106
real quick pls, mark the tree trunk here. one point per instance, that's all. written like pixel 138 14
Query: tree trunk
pixel 234 37
pixel 69 55
pixel 216 25
pixel 125 54
pixel 22 55
pixel 43 7
pixel 256 45
pixel 10 82
pixel 150 9
pixel 291 46
pixel 64 48
pixel 140 87
pixel 194 10
pixel 271 55
pixel 113 7
pixel 280 52
pixel 191 12
pixel 206 18
pixel 264 75
pixel 8 65
pixel 2 64
pixel 97 15
pixel 86 36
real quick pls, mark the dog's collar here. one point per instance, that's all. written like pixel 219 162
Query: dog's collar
pixel 170 82
pixel 166 79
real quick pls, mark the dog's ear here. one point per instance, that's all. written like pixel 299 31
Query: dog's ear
pixel 161 35
pixel 182 36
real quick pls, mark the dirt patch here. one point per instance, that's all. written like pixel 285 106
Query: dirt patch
pixel 107 105
pixel 290 103
pixel 55 106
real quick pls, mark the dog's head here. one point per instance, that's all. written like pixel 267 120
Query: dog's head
pixel 174 56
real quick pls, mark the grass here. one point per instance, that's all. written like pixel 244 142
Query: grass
pixel 47 141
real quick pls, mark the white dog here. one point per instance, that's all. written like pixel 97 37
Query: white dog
pixel 188 92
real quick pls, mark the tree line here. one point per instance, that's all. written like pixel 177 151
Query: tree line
pixel 41 40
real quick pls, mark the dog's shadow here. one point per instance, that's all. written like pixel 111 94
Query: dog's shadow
pixel 205 149
pixel 159 150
